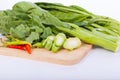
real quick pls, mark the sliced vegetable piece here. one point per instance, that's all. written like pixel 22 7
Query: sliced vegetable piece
pixel 55 48
pixel 58 42
pixel 38 45
pixel 21 47
pixel 59 39
pixel 48 42
pixel 72 43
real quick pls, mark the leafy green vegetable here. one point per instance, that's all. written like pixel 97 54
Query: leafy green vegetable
pixel 36 29
pixel 94 29
pixel 4 21
pixel 34 23
pixel 19 32
pixel 64 13
pixel 79 15
pixel 33 36
pixel 47 32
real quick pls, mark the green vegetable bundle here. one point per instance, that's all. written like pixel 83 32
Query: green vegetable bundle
pixel 98 30
pixel 35 22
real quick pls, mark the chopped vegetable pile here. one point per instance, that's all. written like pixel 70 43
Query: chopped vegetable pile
pixel 54 26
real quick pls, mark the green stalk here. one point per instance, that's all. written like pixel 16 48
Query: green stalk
pixel 101 34
pixel 91 38
pixel 48 42
pixel 58 42
pixel 109 22
pixel 55 48
pixel 38 45
pixel 106 30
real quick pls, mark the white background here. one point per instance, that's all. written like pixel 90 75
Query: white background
pixel 99 64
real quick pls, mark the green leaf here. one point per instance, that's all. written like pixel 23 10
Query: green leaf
pixel 64 13
pixel 19 31
pixel 47 32
pixel 37 29
pixel 33 36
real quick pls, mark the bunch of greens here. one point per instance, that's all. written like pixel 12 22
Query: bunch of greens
pixel 34 23
pixel 82 18
pixel 103 31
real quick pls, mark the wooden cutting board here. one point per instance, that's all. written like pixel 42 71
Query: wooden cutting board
pixel 63 57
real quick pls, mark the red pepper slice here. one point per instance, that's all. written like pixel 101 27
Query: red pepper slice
pixel 21 47
pixel 28 48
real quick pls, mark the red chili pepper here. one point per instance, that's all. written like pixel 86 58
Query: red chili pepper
pixel 21 47
pixel 28 48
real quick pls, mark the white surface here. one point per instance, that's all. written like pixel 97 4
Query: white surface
pixel 99 64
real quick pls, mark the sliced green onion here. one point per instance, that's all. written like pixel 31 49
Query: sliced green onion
pixel 72 43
